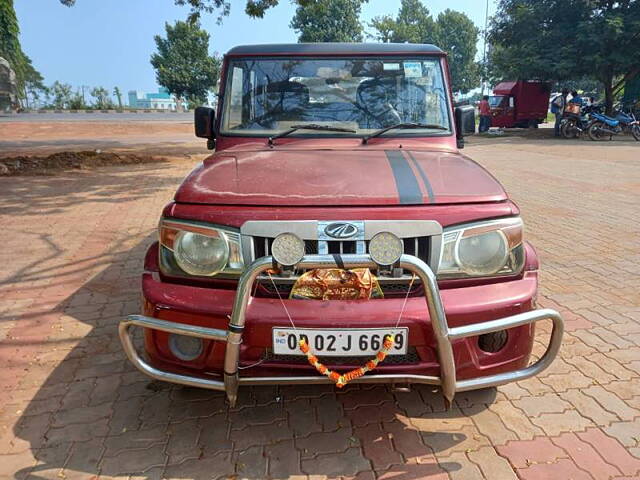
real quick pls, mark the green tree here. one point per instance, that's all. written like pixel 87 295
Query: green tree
pixel 458 36
pixel 77 101
pixel 28 79
pixel 118 94
pixel 183 64
pixel 253 8
pixel 329 21
pixel 452 31
pixel 413 24
pixel 62 94
pixel 103 100
pixel 557 40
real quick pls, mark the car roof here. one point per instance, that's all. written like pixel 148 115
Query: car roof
pixel 334 49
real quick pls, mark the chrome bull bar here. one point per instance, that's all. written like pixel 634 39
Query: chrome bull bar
pixel 442 333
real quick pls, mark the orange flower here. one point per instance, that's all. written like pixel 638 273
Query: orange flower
pixel 353 374
pixel 342 380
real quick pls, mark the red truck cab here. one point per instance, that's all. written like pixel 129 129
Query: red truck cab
pixel 520 104
pixel 338 235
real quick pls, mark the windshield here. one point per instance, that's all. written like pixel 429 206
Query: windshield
pixel 267 96
pixel 495 100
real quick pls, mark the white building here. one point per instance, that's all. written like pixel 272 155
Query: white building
pixel 162 100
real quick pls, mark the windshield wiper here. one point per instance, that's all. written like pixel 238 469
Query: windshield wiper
pixel 377 133
pixel 309 126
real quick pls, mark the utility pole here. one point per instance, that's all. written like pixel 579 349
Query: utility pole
pixel 82 87
pixel 484 56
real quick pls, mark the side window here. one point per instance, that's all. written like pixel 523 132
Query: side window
pixel 234 99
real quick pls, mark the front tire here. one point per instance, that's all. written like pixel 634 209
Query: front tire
pixel 595 132
pixel 635 131
pixel 568 129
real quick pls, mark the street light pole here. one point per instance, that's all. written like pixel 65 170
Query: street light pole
pixel 484 55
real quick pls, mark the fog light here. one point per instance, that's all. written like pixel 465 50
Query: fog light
pixel 385 248
pixel 493 342
pixel 185 347
pixel 287 249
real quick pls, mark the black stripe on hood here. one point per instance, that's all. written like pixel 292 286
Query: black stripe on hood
pixel 408 189
pixel 424 177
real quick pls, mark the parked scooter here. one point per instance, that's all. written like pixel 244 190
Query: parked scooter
pixel 576 122
pixel 603 126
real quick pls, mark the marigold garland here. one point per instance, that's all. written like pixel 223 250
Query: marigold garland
pixel 342 379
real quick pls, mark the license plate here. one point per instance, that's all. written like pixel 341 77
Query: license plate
pixel 351 342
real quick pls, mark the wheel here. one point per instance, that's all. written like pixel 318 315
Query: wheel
pixel 568 129
pixel 533 123
pixel 595 131
pixel 635 131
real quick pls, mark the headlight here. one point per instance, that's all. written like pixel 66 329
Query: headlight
pixel 199 254
pixel 483 249
pixel 199 250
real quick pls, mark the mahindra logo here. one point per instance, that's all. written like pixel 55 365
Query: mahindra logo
pixel 341 230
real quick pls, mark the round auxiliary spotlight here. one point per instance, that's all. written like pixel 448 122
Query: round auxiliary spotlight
pixel 287 249
pixel 385 248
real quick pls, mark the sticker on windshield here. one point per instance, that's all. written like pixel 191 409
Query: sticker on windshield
pixel 390 66
pixel 412 69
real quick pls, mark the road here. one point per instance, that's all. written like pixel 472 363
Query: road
pixel 97 116
pixel 71 405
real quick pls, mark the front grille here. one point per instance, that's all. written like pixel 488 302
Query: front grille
pixel 417 237
pixel 411 357
pixel 417 246
pixel 389 288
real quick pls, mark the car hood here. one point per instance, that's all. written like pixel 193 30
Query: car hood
pixel 339 178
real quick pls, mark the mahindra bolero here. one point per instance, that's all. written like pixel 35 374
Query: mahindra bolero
pixel 338 235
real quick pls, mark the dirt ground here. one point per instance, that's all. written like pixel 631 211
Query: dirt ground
pixel 150 138
pixel 72 407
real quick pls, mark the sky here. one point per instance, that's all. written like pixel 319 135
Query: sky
pixel 109 42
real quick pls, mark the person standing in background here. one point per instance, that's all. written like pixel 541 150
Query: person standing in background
pixel 557 108
pixel 485 115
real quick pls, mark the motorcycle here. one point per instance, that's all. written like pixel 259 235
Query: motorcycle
pixel 577 121
pixel 603 126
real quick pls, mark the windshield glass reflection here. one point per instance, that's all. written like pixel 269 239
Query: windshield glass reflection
pixel 268 96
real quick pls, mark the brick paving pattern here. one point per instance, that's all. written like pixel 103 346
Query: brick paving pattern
pixel 72 407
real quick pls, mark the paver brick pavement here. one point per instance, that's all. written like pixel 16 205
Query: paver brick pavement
pixel 72 407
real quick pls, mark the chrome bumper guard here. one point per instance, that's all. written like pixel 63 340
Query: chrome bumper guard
pixel 443 335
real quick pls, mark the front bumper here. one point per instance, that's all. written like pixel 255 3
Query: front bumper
pixel 443 336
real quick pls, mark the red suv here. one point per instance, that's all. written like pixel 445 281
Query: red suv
pixel 337 234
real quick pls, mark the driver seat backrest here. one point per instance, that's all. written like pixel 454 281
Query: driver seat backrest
pixel 373 96
pixel 287 100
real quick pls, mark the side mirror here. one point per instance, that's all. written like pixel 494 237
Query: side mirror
pixel 465 122
pixel 204 119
